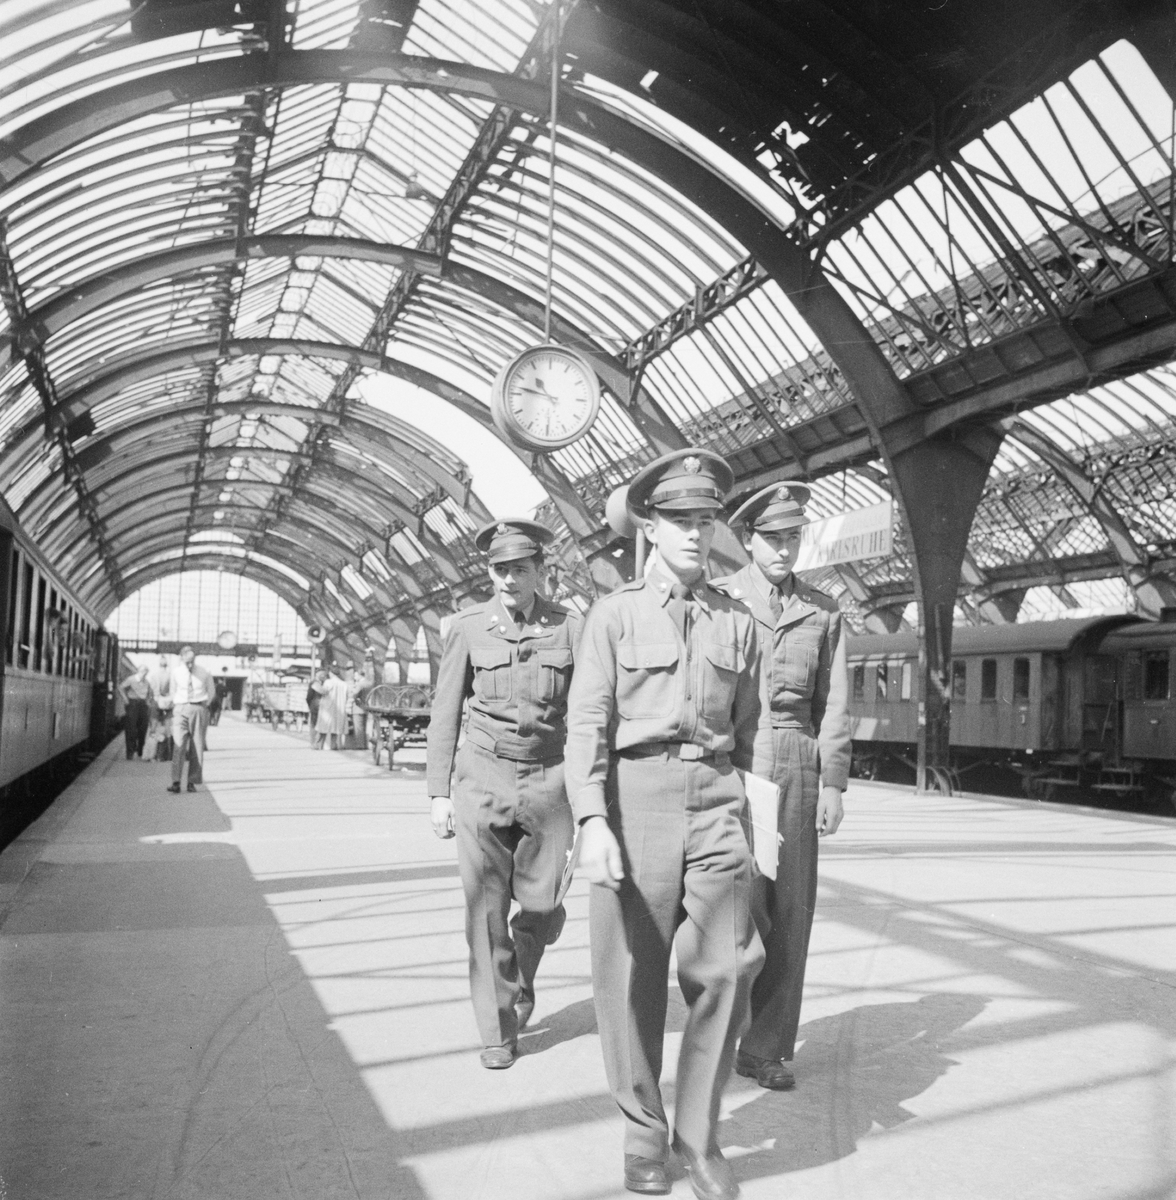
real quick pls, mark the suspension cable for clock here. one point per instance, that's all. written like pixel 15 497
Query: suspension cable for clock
pixel 555 54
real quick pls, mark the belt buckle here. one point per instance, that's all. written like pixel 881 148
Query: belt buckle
pixel 689 752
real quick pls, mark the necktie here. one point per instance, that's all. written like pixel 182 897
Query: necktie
pixel 679 598
pixel 775 603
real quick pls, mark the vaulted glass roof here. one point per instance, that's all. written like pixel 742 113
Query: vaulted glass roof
pixel 210 234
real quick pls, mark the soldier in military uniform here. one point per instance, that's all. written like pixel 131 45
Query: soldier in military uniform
pixel 803 746
pixel 511 659
pixel 664 707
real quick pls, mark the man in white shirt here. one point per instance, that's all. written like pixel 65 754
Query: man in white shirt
pixel 191 689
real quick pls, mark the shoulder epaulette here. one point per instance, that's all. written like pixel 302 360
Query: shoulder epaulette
pixel 814 593
pixel 471 610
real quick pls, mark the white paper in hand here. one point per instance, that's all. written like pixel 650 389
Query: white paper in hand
pixel 763 803
pixel 569 870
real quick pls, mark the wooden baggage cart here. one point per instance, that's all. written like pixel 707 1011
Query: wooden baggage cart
pixel 398 715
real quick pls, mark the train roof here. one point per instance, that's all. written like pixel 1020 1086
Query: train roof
pixel 1145 633
pixel 1026 636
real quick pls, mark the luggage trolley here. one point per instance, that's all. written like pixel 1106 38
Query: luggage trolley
pixel 399 715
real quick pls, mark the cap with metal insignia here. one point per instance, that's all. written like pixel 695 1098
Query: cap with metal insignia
pixel 778 506
pixel 511 539
pixel 689 478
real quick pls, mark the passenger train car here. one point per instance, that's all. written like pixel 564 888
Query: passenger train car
pixel 58 701
pixel 1082 704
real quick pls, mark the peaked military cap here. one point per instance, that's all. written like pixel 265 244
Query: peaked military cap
pixel 690 478
pixel 511 539
pixel 778 506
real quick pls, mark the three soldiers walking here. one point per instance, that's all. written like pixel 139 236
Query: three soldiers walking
pixel 675 686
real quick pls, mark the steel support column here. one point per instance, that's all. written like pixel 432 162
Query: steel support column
pixel 939 483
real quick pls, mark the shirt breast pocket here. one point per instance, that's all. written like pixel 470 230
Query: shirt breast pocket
pixel 724 664
pixel 491 672
pixel 646 680
pixel 799 657
pixel 555 672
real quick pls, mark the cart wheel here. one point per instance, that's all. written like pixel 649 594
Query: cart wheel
pixel 375 747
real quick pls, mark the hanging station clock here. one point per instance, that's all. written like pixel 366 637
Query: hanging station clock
pixel 545 398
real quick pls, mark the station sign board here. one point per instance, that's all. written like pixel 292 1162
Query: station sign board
pixel 848 537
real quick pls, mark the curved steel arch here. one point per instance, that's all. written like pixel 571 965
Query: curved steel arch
pixel 357 482
pixel 160 542
pixel 93 293
pixel 396 496
pixel 1154 593
pixel 274 580
pixel 83 298
pixel 399 482
pixel 366 424
pixel 559 487
pixel 343 521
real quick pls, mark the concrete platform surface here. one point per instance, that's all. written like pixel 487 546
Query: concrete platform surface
pixel 259 991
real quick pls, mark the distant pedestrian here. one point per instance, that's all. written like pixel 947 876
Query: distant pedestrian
pixel 312 701
pixel 159 710
pixel 191 689
pixel 331 722
pixel 136 694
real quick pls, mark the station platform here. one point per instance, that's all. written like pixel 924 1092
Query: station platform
pixel 259 991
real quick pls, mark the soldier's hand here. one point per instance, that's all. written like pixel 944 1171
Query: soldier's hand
pixel 829 811
pixel 600 854
pixel 441 814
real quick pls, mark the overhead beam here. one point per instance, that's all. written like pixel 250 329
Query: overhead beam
pixel 92 294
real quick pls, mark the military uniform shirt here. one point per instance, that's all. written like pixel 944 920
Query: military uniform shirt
pixel 805 680
pixel 515 679
pixel 637 682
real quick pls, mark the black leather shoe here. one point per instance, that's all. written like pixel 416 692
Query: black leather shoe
pixel 498 1058
pixel 646 1175
pixel 557 926
pixel 174 787
pixel 767 1072
pixel 524 1007
pixel 191 787
pixel 710 1174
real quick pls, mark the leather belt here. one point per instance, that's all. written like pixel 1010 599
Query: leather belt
pixel 686 751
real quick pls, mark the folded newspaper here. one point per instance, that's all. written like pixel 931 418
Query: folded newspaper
pixel 569 868
pixel 763 805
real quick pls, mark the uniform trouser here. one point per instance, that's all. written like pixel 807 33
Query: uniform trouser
pixel 514 830
pixel 784 907
pixel 687 882
pixel 136 726
pixel 189 724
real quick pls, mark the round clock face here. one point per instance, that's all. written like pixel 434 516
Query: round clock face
pixel 546 398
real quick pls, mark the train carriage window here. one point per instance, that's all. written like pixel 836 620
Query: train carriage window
pixel 988 679
pixel 907 678
pixel 24 650
pixel 1156 675
pixel 40 652
pixel 859 682
pixel 959 680
pixel 881 682
pixel 53 635
pixel 13 607
pixel 1020 679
